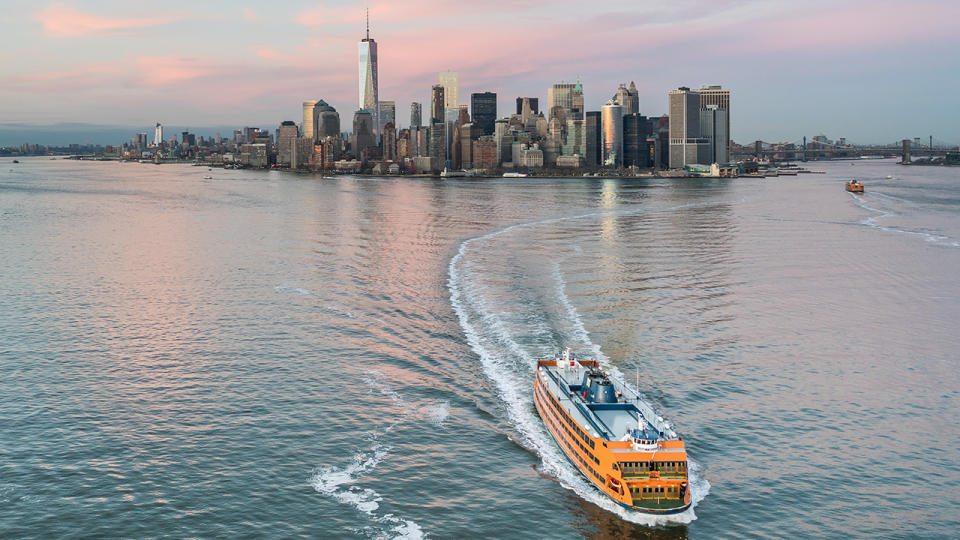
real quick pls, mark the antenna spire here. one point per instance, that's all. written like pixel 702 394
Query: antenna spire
pixel 368 23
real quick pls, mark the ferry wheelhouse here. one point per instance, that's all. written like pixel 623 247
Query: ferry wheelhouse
pixel 612 436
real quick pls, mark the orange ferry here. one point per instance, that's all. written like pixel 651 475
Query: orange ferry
pixel 855 187
pixel 612 436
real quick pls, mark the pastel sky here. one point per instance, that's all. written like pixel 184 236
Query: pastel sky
pixel 868 70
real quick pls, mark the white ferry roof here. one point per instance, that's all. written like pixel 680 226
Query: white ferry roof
pixel 609 421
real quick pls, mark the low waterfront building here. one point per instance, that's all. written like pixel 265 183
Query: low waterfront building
pixel 570 162
pixel 424 164
pixel 254 155
pixel 527 156
pixel 348 165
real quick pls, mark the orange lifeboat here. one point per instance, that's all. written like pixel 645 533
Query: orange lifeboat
pixel 855 187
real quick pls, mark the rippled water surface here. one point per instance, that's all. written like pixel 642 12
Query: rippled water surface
pixel 267 354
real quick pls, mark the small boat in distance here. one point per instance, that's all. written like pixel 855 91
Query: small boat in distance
pixel 514 175
pixel 208 178
pixel 855 187
pixel 16 161
pixel 447 173
pixel 611 436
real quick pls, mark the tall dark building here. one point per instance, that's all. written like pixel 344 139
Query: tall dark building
pixel 533 102
pixel 662 133
pixel 436 105
pixel 636 151
pixel 364 137
pixel 415 111
pixel 483 106
pixel 592 128
pixel 326 122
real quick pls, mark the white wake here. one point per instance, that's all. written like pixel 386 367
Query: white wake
pixel 510 366
pixel 341 483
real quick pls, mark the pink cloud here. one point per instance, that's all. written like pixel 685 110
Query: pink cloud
pixel 63 21
pixel 167 70
pixel 250 15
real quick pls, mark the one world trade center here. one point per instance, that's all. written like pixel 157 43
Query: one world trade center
pixel 369 97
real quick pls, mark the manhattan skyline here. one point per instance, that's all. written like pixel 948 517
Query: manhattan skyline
pixel 868 71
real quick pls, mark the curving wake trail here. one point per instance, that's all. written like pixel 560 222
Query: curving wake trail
pixel 874 221
pixel 341 483
pixel 509 341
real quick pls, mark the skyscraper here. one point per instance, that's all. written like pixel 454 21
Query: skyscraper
pixel 437 147
pixel 286 138
pixel 568 96
pixel 158 135
pixel 592 129
pixel 612 129
pixel 326 122
pixel 369 93
pixel 389 142
pixel 483 105
pixel 714 94
pixel 576 144
pixel 388 114
pixel 528 105
pixel 628 98
pixel 713 126
pixel 308 117
pixel 363 135
pixel 416 131
pixel 636 152
pixel 436 104
pixel 416 112
pixel 686 146
pixel 448 80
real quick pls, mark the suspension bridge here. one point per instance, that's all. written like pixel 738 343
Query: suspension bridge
pixel 820 148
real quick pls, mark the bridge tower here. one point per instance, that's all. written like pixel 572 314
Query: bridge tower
pixel 804 148
pixel 906 152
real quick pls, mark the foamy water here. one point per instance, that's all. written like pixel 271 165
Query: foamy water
pixel 492 341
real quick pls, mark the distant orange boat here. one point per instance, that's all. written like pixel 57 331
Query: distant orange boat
pixel 855 187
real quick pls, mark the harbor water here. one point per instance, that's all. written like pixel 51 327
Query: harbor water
pixel 266 354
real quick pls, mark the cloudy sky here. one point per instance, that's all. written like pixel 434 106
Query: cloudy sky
pixel 868 70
